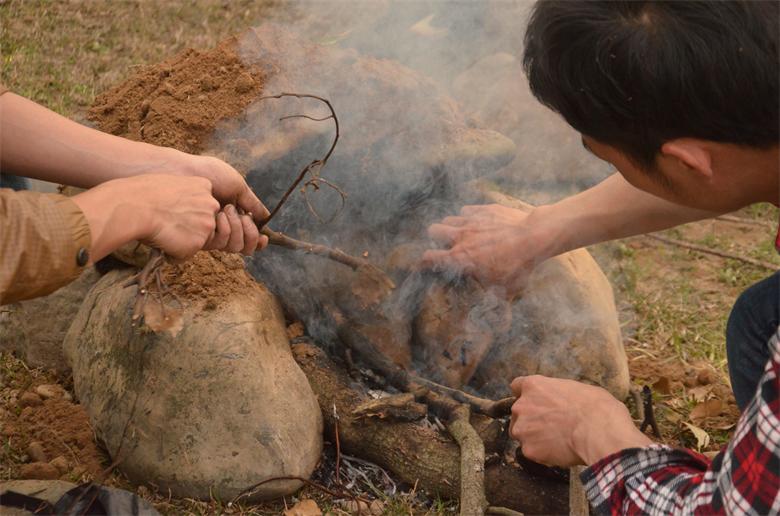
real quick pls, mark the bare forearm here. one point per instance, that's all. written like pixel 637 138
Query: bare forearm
pixel 611 210
pixel 38 143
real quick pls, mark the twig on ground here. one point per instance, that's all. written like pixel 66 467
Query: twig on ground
pixel 723 254
pixel 578 500
pixel 472 462
pixel 745 220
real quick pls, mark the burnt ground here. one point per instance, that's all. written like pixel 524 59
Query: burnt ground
pixel 673 302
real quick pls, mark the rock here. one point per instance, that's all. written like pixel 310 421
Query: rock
pixel 221 406
pixel 38 471
pixel 36 452
pixel 29 399
pixel 61 463
pixel 35 329
pixel 47 391
pixel 564 325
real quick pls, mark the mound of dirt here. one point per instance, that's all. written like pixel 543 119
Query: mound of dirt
pixel 56 435
pixel 177 103
pixel 211 276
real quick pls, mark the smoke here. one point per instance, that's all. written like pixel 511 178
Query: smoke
pixel 429 96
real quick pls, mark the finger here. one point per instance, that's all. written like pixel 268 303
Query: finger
pixel 235 242
pixel 250 203
pixel 262 243
pixel 251 235
pixel 219 238
pixel 436 258
pixel 517 386
pixel 443 233
pixel 455 221
pixel 472 209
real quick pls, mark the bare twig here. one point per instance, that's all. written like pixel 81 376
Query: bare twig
pixel 752 261
pixel 745 220
pixel 315 166
pixel 578 500
pixel 472 462
pixel 282 240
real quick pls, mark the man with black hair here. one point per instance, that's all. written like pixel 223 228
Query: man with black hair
pixel 682 98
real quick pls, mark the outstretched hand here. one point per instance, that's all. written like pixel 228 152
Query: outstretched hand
pixel 495 244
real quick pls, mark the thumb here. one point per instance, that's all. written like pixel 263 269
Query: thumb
pixel 517 386
pixel 250 203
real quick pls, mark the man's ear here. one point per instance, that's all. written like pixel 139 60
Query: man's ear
pixel 690 153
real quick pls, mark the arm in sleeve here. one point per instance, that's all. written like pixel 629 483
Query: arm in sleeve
pixel 44 244
pixel 742 479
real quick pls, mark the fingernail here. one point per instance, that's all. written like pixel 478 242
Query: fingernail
pixel 230 209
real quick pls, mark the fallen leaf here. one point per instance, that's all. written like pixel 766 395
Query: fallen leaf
pixel 663 385
pixel 705 409
pixel 304 508
pixel 700 393
pixel 672 417
pixel 163 319
pixel 702 437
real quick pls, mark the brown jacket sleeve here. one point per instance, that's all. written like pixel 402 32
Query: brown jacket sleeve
pixel 44 244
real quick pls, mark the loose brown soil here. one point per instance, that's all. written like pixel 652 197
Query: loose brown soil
pixel 60 426
pixel 178 103
pixel 210 276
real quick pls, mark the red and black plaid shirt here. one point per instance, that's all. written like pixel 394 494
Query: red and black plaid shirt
pixel 744 478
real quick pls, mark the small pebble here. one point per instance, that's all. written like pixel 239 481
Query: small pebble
pixel 706 376
pixel 36 452
pixel 38 471
pixel 30 399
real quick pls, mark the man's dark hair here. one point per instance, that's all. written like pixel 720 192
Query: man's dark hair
pixel 635 74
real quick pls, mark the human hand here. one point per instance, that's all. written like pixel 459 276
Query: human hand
pixel 496 244
pixel 565 423
pixel 235 231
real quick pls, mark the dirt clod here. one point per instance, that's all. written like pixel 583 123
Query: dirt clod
pixel 47 391
pixel 38 471
pixel 29 399
pixel 61 463
pixel 36 452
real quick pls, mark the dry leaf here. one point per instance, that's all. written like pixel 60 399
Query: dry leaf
pixel 700 393
pixel 663 385
pixel 702 437
pixel 304 508
pixel 158 318
pixel 705 409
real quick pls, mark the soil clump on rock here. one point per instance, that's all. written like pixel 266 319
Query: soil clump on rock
pixel 177 103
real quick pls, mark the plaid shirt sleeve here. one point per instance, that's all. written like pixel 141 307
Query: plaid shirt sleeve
pixel 741 479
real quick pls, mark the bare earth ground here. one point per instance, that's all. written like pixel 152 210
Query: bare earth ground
pixel 674 302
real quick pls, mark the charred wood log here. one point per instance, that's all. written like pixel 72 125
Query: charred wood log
pixel 414 452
